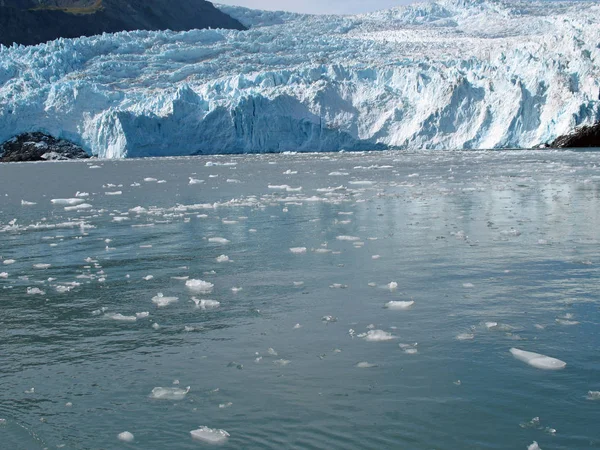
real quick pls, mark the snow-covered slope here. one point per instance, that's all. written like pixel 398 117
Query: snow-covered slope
pixel 452 74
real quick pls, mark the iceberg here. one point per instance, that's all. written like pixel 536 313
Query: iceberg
pixel 537 360
pixel 453 74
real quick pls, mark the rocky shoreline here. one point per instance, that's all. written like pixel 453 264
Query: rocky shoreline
pixel 583 137
pixel 39 147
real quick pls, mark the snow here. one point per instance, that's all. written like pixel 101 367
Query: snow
pixel 448 75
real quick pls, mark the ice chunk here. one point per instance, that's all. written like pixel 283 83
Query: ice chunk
pixel 42 266
pixel 35 291
pixel 195 181
pixel 210 435
pixel 468 285
pixel 8 262
pixel 160 300
pixel 365 365
pixel 218 240
pixel 170 393
pixel 281 362
pixel 593 395
pixel 465 337
pixel 377 336
pixel 26 203
pixel 537 360
pixel 235 290
pixel 222 258
pixel 225 405
pixel 125 436
pixel 205 304
pixel 66 201
pixel 534 446
pixel 298 250
pixel 199 286
pixel 392 286
pixel 397 305
pixel 142 315
pixel 410 349
pixel 271 351
pixel 348 238
pixel 148 277
pixel 121 317
pixel 3 275
pixel 113 193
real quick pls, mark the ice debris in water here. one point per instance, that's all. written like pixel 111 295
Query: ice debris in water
pixel 35 291
pixel 298 250
pixel 142 315
pixel 125 436
pixel 121 317
pixel 66 201
pixel 593 395
pixel 377 336
pixel 235 290
pixel 297 326
pixel 468 285
pixel 210 435
pixel 222 258
pixel 148 277
pixel 170 393
pixel 392 286
pixel 205 303
pixel 537 360
pixel 218 240
pixel 195 181
pixel 3 275
pixel 329 319
pixel 160 300
pixel 8 262
pixel 534 446
pixel 225 405
pixel 465 337
pixel 199 286
pixel 410 349
pixel 26 203
pixel 281 362
pixel 365 365
pixel 155 326
pixel 398 305
pixel 348 238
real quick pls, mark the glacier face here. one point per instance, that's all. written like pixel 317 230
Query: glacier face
pixel 447 75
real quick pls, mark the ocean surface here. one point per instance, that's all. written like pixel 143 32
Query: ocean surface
pixel 289 341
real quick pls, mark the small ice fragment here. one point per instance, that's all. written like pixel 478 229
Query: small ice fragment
pixel 298 250
pixel 176 382
pixel 465 337
pixel 8 262
pixel 210 435
pixel 160 300
pixel 398 305
pixel 149 179
pixel 35 291
pixel 142 315
pixel 375 257
pixel 121 317
pixel 125 436
pixel 566 322
pixel 365 365
pixel 42 266
pixel 81 194
pixel 298 283
pixel 378 336
pixel 225 405
pixel 148 277
pixel 468 285
pixel 410 349
pixel 282 362
pixel 222 258
pixel 3 275
pixel 66 201
pixel 113 193
pixel 205 303
pixel 392 286
pixel 155 326
pixel 272 352
pixel 534 446
pixel 199 286
pixel 491 325
pixel 195 181
pixel 348 238
pixel 297 326
pixel 26 203
pixel 218 240
pixel 30 391
pixel 162 393
pixel 329 319
pixel 537 360
pixel 593 395
pixel 68 404
pixel 338 286
pixel 235 290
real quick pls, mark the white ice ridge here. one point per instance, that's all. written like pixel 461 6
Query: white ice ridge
pixel 442 75
pixel 537 360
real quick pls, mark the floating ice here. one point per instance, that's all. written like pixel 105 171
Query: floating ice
pixel 281 362
pixel 468 285
pixel 113 193
pixel 534 446
pixel 121 317
pixel 225 405
pixel 160 300
pixel 272 352
pixel 170 393
pixel 365 365
pixel 125 436
pixel 465 337
pixel 593 395
pixel 42 266
pixel 348 238
pixel 199 286
pixel 338 286
pixel 218 240
pixel 8 262
pixel 66 201
pixel 376 257
pixel 149 179
pixel 35 291
pixel 397 305
pixel 566 322
pixel 329 319
pixel 142 315
pixel 377 336
pixel 222 258
pixel 361 183
pixel 3 275
pixel 235 290
pixel 410 349
pixel 392 286
pixel 297 326
pixel 155 326
pixel 205 304
pixel 195 181
pixel 298 250
pixel 26 203
pixel 537 360
pixel 82 194
pixel 210 435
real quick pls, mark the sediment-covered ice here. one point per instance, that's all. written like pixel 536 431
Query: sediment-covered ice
pixel 210 435
pixel 537 360
pixel 170 393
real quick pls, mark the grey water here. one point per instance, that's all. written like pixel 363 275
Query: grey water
pixel 497 250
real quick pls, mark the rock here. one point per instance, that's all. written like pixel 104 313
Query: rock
pixel 39 147
pixel 582 137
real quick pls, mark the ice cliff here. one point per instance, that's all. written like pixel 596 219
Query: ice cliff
pixel 446 75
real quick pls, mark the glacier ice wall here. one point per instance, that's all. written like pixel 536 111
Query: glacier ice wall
pixel 448 75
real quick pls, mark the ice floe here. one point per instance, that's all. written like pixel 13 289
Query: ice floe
pixel 377 336
pixel 66 201
pixel 205 303
pixel 160 300
pixel 593 395
pixel 121 317
pixel 35 291
pixel 537 360
pixel 170 393
pixel 398 305
pixel 298 250
pixel 210 435
pixel 199 286
pixel 218 240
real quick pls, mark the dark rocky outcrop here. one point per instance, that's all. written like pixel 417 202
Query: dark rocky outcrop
pixel 583 137
pixel 31 22
pixel 39 147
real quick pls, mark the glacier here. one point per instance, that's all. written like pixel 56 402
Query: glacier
pixel 453 74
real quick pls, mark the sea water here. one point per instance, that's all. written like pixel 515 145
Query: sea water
pixel 318 301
